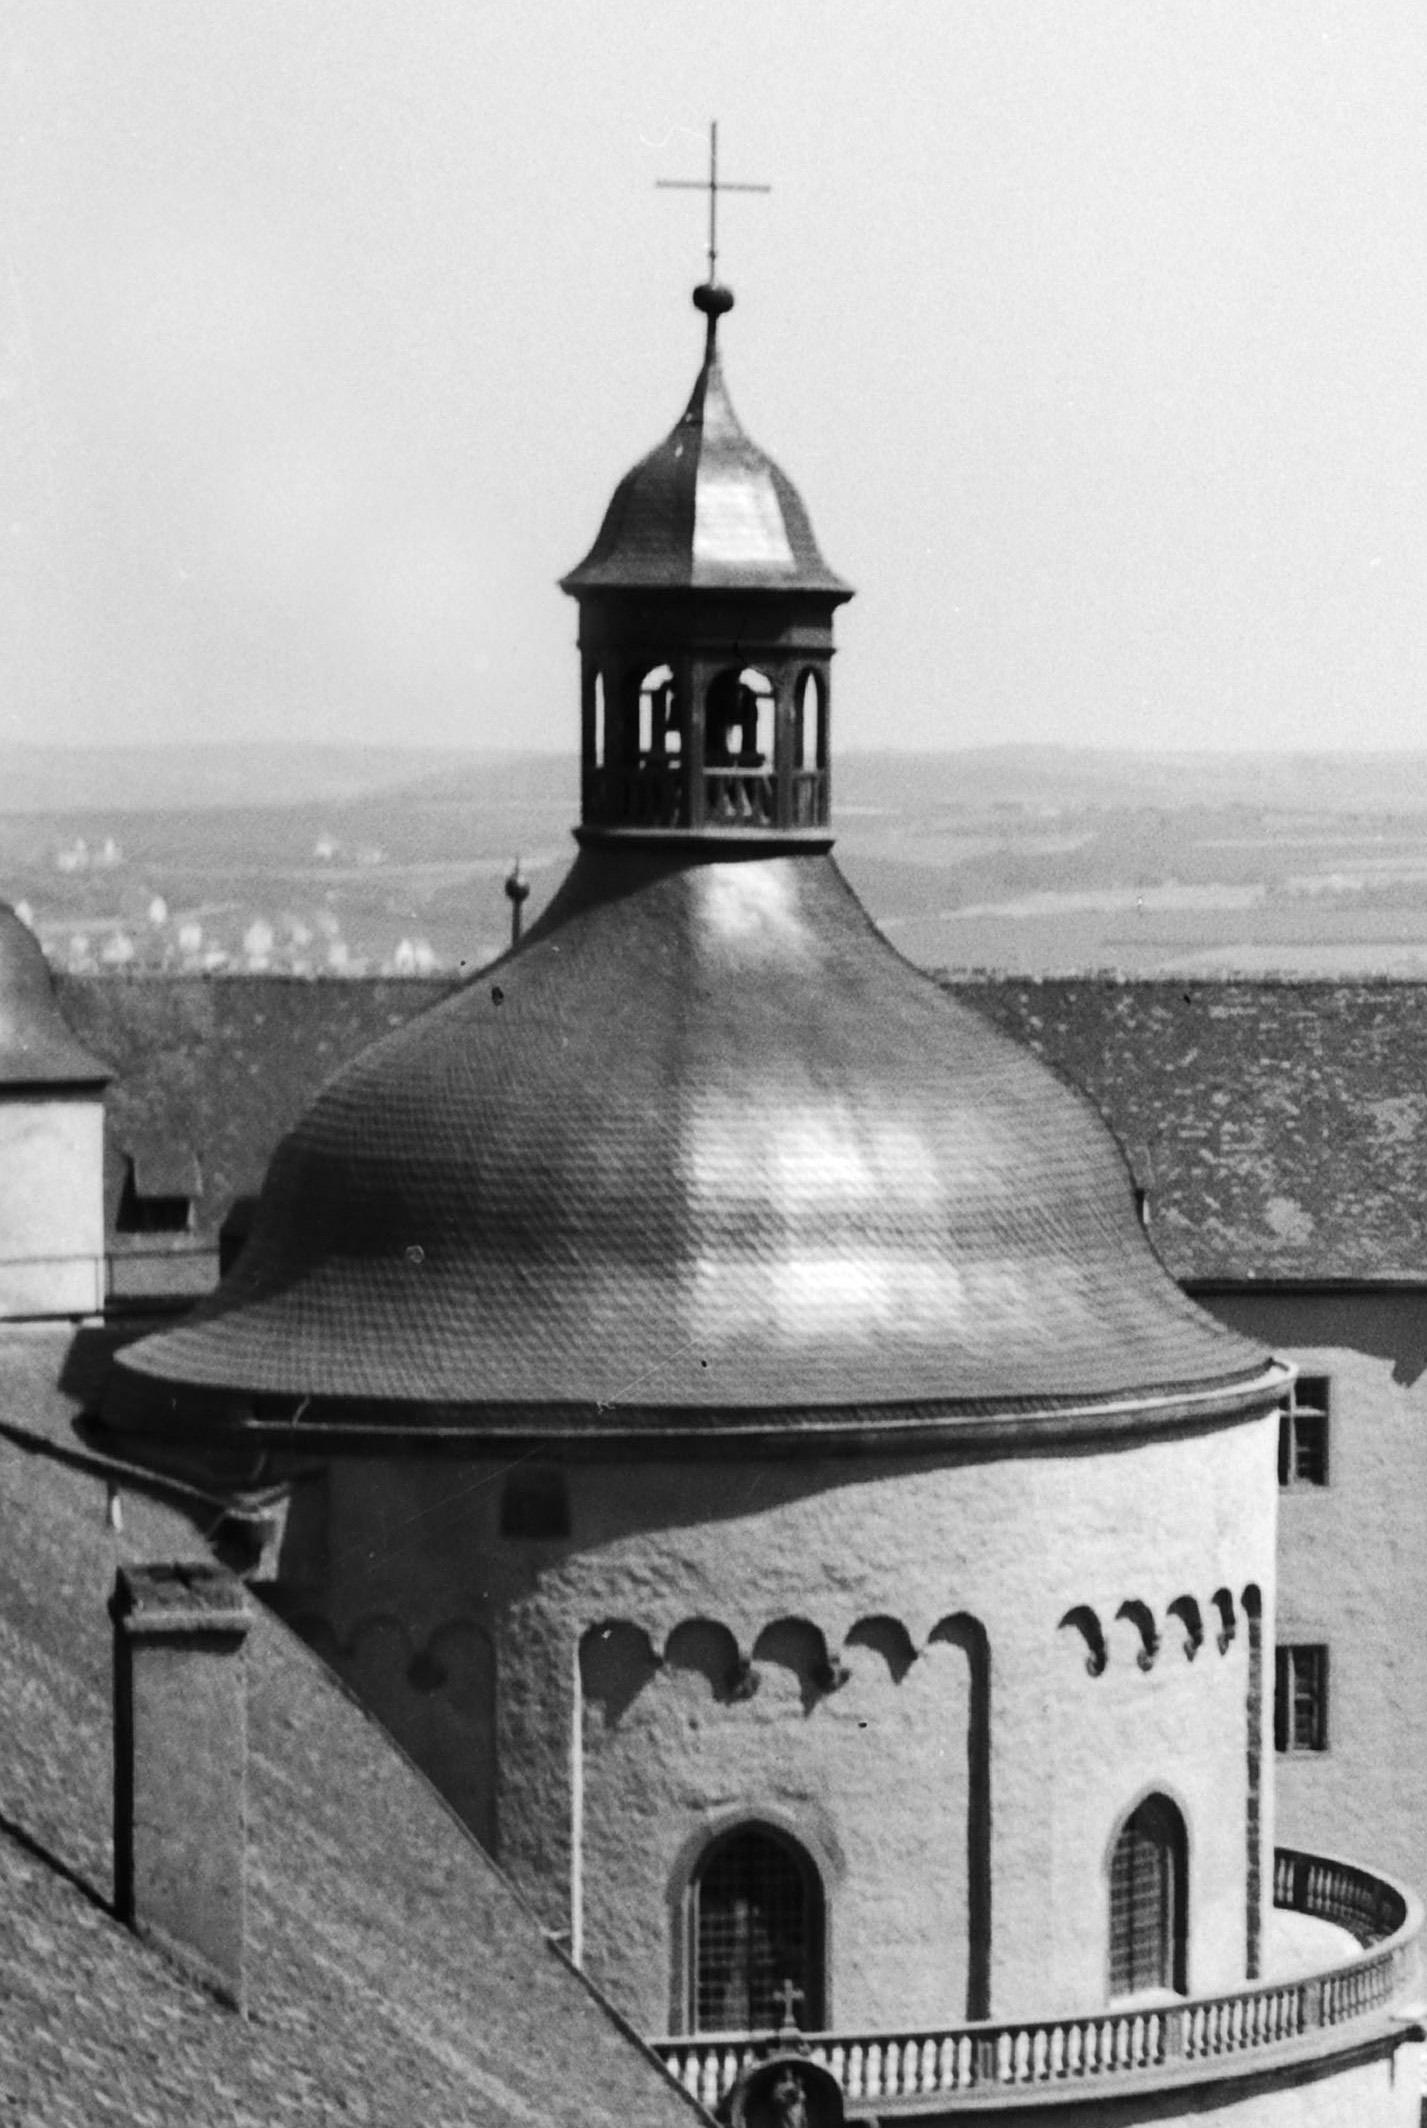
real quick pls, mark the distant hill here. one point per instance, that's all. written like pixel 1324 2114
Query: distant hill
pixel 129 779
pixel 1036 859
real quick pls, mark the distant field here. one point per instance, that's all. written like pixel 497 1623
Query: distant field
pixel 1034 860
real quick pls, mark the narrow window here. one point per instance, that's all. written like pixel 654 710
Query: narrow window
pixel 1300 1697
pixel 1307 1416
pixel 534 1504
pixel 755 1935
pixel 810 748
pixel 1149 1901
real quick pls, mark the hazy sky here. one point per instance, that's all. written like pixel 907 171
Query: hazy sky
pixel 1091 330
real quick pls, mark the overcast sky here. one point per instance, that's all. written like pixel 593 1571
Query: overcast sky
pixel 1091 330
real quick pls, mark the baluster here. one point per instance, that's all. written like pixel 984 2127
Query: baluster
pixel 856 2086
pixel 892 2068
pixel 872 2071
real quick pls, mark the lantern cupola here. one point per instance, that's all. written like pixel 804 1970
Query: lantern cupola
pixel 706 638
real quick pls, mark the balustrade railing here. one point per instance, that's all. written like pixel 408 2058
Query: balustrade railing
pixel 740 797
pixel 968 2059
pixel 809 798
pixel 653 794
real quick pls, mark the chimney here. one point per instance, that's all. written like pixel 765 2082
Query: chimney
pixel 180 1766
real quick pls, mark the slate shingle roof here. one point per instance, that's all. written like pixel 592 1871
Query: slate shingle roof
pixel 1279 1126
pixel 216 1068
pixel 395 1977
pixel 703 1148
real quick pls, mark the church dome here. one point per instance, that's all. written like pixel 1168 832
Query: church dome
pixel 706 508
pixel 703 1156
pixel 36 1046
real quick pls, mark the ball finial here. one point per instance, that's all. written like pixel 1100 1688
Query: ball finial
pixel 713 299
pixel 517 889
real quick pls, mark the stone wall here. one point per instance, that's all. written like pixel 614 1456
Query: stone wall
pixel 1083 1584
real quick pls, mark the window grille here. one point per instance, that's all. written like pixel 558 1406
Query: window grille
pixel 1300 1698
pixel 756 1924
pixel 1303 1433
pixel 1148 1883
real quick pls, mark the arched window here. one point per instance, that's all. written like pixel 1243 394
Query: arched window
pixel 811 749
pixel 1149 1901
pixel 755 1925
pixel 660 738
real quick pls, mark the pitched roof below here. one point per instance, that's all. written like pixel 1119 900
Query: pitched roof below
pixel 395 1975
pixel 1279 1127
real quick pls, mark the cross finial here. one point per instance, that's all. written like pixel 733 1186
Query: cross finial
pixel 786 1997
pixel 713 185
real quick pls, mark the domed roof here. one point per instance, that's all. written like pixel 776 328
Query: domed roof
pixel 707 508
pixel 704 1155
pixel 36 1046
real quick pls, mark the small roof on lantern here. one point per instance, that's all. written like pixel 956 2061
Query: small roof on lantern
pixel 37 1047
pixel 707 509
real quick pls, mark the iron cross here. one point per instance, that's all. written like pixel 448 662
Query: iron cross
pixel 713 186
pixel 790 1993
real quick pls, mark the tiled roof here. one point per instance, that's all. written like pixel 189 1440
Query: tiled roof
pixel 706 508
pixel 1280 1127
pixel 216 1068
pixel 394 1976
pixel 705 1145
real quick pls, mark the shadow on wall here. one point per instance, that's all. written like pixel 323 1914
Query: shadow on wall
pixel 1380 1326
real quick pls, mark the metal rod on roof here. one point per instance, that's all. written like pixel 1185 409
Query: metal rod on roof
pixel 517 889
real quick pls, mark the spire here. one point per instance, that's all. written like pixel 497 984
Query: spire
pixel 706 627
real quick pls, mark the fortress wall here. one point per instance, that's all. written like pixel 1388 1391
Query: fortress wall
pixel 877 1775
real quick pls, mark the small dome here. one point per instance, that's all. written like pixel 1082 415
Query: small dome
pixel 707 508
pixel 703 1156
pixel 36 1046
